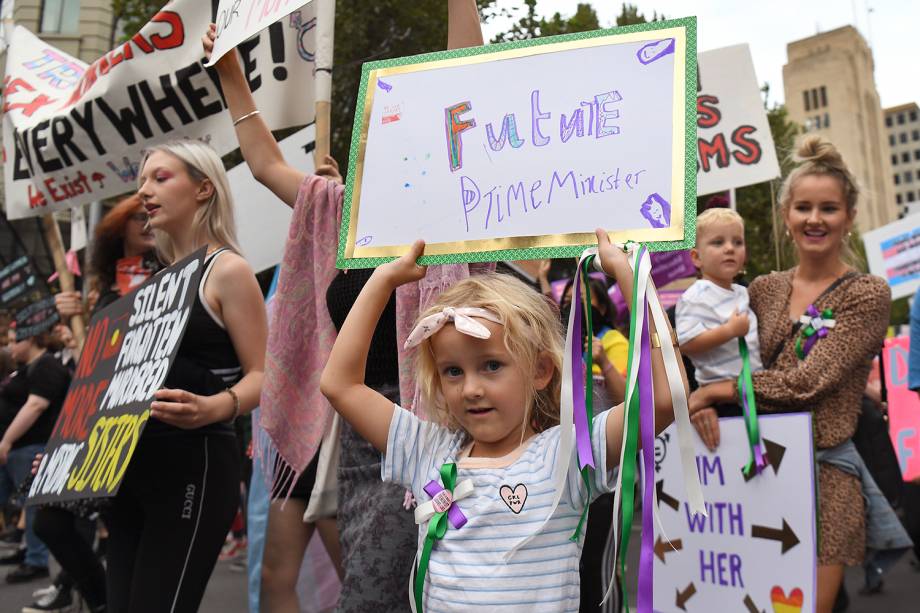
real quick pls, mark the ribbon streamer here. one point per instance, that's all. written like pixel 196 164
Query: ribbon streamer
pixel 571 358
pixel 757 461
pixel 438 512
pixel 645 302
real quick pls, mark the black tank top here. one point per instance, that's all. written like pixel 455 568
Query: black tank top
pixel 206 362
pixel 382 360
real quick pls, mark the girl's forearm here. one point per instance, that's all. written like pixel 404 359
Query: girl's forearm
pixel 348 359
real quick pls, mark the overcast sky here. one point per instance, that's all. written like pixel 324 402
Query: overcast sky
pixel 891 29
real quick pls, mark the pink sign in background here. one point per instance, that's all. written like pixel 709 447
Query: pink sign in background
pixel 903 407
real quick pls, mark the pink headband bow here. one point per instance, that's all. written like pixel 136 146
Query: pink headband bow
pixel 463 322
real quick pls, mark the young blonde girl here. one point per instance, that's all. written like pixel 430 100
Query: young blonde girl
pixel 490 356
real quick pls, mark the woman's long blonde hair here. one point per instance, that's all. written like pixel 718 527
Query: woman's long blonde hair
pixel 532 328
pixel 818 156
pixel 214 219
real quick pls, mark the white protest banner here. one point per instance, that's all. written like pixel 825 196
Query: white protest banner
pixel 520 150
pixel 893 252
pixel 757 547
pixel 734 143
pixel 262 220
pixel 237 20
pixel 74 133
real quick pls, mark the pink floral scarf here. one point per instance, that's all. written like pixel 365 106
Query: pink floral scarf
pixel 294 414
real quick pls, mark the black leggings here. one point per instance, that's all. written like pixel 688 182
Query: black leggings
pixel 70 540
pixel 169 520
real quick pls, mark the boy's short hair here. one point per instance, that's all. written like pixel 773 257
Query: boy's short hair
pixel 710 217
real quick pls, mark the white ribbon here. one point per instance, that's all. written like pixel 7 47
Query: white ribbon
pixel 427 510
pixel 678 398
pixel 463 321
pixel 566 419
pixel 817 322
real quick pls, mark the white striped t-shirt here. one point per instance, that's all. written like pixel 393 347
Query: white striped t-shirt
pixel 467 570
pixel 704 306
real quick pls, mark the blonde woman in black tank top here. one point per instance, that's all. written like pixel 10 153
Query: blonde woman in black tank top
pixel 181 490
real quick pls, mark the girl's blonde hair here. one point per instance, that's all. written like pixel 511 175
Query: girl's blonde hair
pixel 532 327
pixel 817 156
pixel 214 219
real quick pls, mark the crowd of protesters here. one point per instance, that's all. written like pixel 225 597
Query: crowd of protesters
pixel 323 459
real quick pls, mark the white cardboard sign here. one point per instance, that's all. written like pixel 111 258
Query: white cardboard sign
pixel 893 252
pixel 74 133
pixel 524 147
pixel 237 20
pixel 734 143
pixel 756 550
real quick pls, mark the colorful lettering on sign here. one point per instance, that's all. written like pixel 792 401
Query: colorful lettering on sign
pixel 508 133
pixel 453 125
pixel 111 445
pixel 56 69
pixel 748 149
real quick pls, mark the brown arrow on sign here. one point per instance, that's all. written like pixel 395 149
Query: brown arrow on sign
pixel 665 497
pixel 775 453
pixel 662 547
pixel 784 535
pixel 749 603
pixel 683 597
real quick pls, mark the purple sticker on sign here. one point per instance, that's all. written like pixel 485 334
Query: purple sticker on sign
pixel 655 51
pixel 384 86
pixel 657 211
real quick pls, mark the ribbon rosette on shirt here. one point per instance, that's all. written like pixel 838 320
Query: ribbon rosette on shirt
pixel 438 512
pixel 815 326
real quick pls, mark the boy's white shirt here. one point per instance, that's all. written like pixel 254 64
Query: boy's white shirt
pixel 704 306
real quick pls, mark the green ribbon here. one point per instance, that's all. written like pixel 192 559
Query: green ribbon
pixel 751 423
pixel 437 528
pixel 582 278
pixel 631 439
pixel 802 344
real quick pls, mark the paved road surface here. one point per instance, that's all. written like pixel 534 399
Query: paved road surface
pixel 227 592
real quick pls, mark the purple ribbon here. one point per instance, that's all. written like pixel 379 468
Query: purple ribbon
pixel 811 340
pixel 760 460
pixel 582 430
pixel 647 436
pixel 454 514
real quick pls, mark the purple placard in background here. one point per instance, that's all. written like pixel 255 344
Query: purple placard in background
pixel 667 266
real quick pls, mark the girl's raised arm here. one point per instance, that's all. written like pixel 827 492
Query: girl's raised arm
pixel 368 411
pixel 259 148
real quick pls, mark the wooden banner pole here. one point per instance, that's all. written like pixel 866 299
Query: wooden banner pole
pixel 56 245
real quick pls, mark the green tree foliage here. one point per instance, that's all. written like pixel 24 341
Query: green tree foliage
pixel 531 26
pixel 630 15
pixel 131 15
